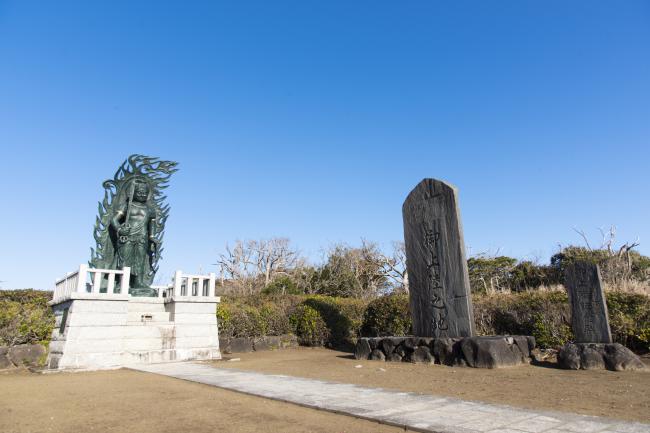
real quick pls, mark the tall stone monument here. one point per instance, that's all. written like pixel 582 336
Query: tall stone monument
pixel 440 299
pixel 589 319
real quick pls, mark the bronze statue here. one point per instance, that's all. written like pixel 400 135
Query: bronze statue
pixel 131 221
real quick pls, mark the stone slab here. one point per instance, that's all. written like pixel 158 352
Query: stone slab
pixel 418 412
pixel 439 290
pixel 589 319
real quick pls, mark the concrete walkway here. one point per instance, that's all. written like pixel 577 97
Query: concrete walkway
pixel 426 413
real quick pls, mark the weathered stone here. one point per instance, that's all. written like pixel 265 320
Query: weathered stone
pixel 411 343
pixel 569 357
pixel 544 355
pixel 4 359
pixel 388 344
pixel 394 357
pixel 439 289
pixel 374 342
pixel 446 351
pixel 402 350
pixel 618 358
pixel 288 340
pixel 362 350
pixel 377 355
pixel 224 345
pixel 422 355
pixel 591 356
pixel 589 319
pixel 490 352
pixel 241 345
pixel 26 354
pixel 591 359
pixel 521 343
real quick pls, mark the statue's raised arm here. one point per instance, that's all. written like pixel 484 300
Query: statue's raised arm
pixel 131 221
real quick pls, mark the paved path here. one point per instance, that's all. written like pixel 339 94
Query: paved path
pixel 426 413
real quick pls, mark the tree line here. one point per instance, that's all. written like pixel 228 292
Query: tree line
pixel 274 266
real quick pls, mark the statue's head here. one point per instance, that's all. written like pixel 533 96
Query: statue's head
pixel 140 192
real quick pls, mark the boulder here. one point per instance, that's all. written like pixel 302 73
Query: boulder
pixel 388 344
pixel 591 359
pixel 26 354
pixel 569 357
pixel 491 352
pixel 377 355
pixel 446 351
pixel 411 343
pixel 374 342
pixel 598 356
pixel 241 345
pixel 618 358
pixel 394 357
pixel 4 358
pixel 362 349
pixel 422 355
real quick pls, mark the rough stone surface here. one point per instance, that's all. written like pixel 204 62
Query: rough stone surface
pixel 491 352
pixel 479 352
pixel 241 345
pixel 394 357
pixel 422 355
pixel 4 358
pixel 447 351
pixel 598 356
pixel 589 319
pixel 439 291
pixel 377 355
pixel 362 349
pixel 26 354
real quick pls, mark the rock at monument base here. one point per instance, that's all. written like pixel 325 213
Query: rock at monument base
pixel 362 349
pixel 241 345
pixel 394 357
pixel 492 352
pixel 422 355
pixel 26 354
pixel 479 352
pixel 377 355
pixel 598 356
pixel 4 358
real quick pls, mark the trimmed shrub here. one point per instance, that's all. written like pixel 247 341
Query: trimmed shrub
pixel 387 316
pixel 342 316
pixel 629 319
pixel 544 315
pixel 309 326
pixel 25 317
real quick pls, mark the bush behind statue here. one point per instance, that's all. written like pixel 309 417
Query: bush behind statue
pixel 25 317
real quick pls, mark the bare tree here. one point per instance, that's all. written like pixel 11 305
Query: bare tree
pixel 251 265
pixel 394 266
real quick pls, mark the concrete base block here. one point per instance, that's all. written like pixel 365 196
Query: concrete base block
pixel 97 333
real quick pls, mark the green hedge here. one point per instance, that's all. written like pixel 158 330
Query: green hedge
pixel 25 317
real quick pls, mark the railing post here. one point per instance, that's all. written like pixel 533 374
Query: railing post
pixel 199 286
pixel 97 281
pixel 212 284
pixel 110 287
pixel 178 280
pixel 81 279
pixel 124 282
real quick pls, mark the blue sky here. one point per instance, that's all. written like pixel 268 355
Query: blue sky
pixel 313 120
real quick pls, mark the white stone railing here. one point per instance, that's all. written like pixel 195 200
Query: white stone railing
pixel 192 285
pixel 89 280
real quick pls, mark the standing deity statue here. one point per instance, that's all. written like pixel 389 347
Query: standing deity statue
pixel 131 221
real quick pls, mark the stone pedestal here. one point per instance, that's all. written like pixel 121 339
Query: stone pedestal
pixel 478 352
pixel 94 331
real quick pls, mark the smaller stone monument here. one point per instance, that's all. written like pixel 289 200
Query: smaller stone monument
pixel 592 348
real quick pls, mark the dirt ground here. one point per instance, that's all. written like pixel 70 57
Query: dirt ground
pixel 624 395
pixel 129 401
